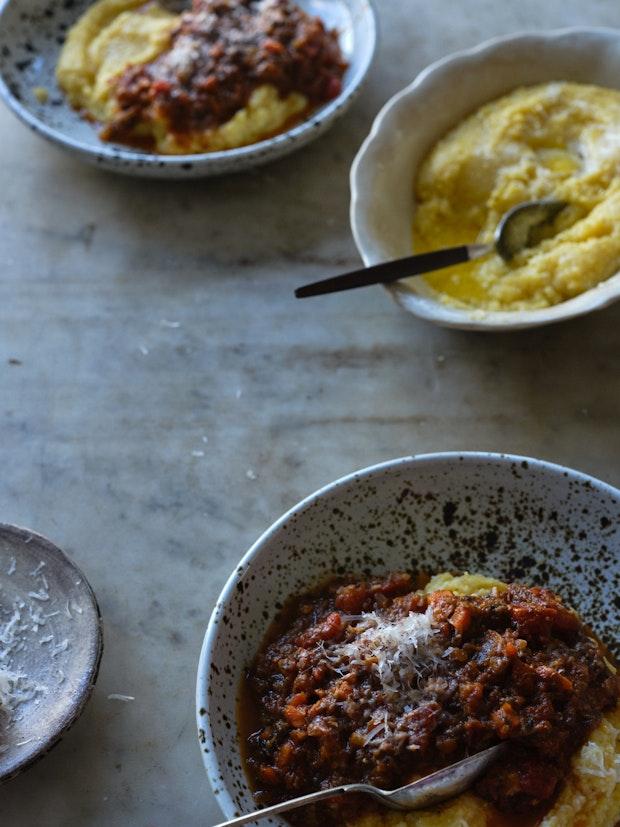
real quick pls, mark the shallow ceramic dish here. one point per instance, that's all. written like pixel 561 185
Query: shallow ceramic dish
pixel 32 33
pixel 408 126
pixel 510 517
pixel 50 633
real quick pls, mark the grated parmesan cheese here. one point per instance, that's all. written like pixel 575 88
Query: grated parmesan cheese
pixel 21 622
pixel 40 595
pixel 403 654
pixel 60 647
pixel 401 651
pixel 16 689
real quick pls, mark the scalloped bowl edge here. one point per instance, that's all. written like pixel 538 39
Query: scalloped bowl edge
pixel 376 241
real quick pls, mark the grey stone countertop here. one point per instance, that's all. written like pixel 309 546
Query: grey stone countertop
pixel 164 398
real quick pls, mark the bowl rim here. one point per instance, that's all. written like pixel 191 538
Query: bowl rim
pixel 210 755
pixel 116 153
pixel 426 306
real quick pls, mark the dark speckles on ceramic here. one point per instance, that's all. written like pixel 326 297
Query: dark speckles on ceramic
pixel 32 33
pixel 508 517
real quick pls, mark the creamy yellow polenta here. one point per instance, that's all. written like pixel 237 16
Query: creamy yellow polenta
pixel 111 36
pixel 591 794
pixel 115 34
pixel 559 140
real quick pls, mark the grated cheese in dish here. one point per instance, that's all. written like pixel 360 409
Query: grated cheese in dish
pixel 15 689
pixel 15 686
pixel 21 623
pixel 402 651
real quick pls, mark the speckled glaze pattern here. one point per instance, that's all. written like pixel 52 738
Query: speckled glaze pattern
pixel 33 31
pixel 411 122
pixel 510 517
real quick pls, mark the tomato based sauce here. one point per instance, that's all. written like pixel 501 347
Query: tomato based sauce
pixel 376 681
pixel 221 51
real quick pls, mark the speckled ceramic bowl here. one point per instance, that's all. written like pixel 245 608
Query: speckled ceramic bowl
pixel 409 125
pixel 505 516
pixel 32 33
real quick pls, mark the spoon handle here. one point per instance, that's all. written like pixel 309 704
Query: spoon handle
pixel 283 807
pixel 389 271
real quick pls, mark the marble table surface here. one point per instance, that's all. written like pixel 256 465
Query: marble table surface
pixel 164 398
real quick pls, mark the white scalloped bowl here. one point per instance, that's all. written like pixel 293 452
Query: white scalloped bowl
pixel 383 173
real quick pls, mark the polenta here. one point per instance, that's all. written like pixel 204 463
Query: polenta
pixel 556 140
pixel 216 77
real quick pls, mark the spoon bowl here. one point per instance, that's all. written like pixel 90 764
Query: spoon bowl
pixel 519 227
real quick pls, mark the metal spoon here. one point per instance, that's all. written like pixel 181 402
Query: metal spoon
pixel 426 792
pixel 518 228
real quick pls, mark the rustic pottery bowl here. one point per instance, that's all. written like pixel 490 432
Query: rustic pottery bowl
pixel 408 126
pixel 31 35
pixel 505 516
pixel 51 637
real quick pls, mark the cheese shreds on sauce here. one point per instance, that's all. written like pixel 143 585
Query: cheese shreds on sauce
pixel 402 651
